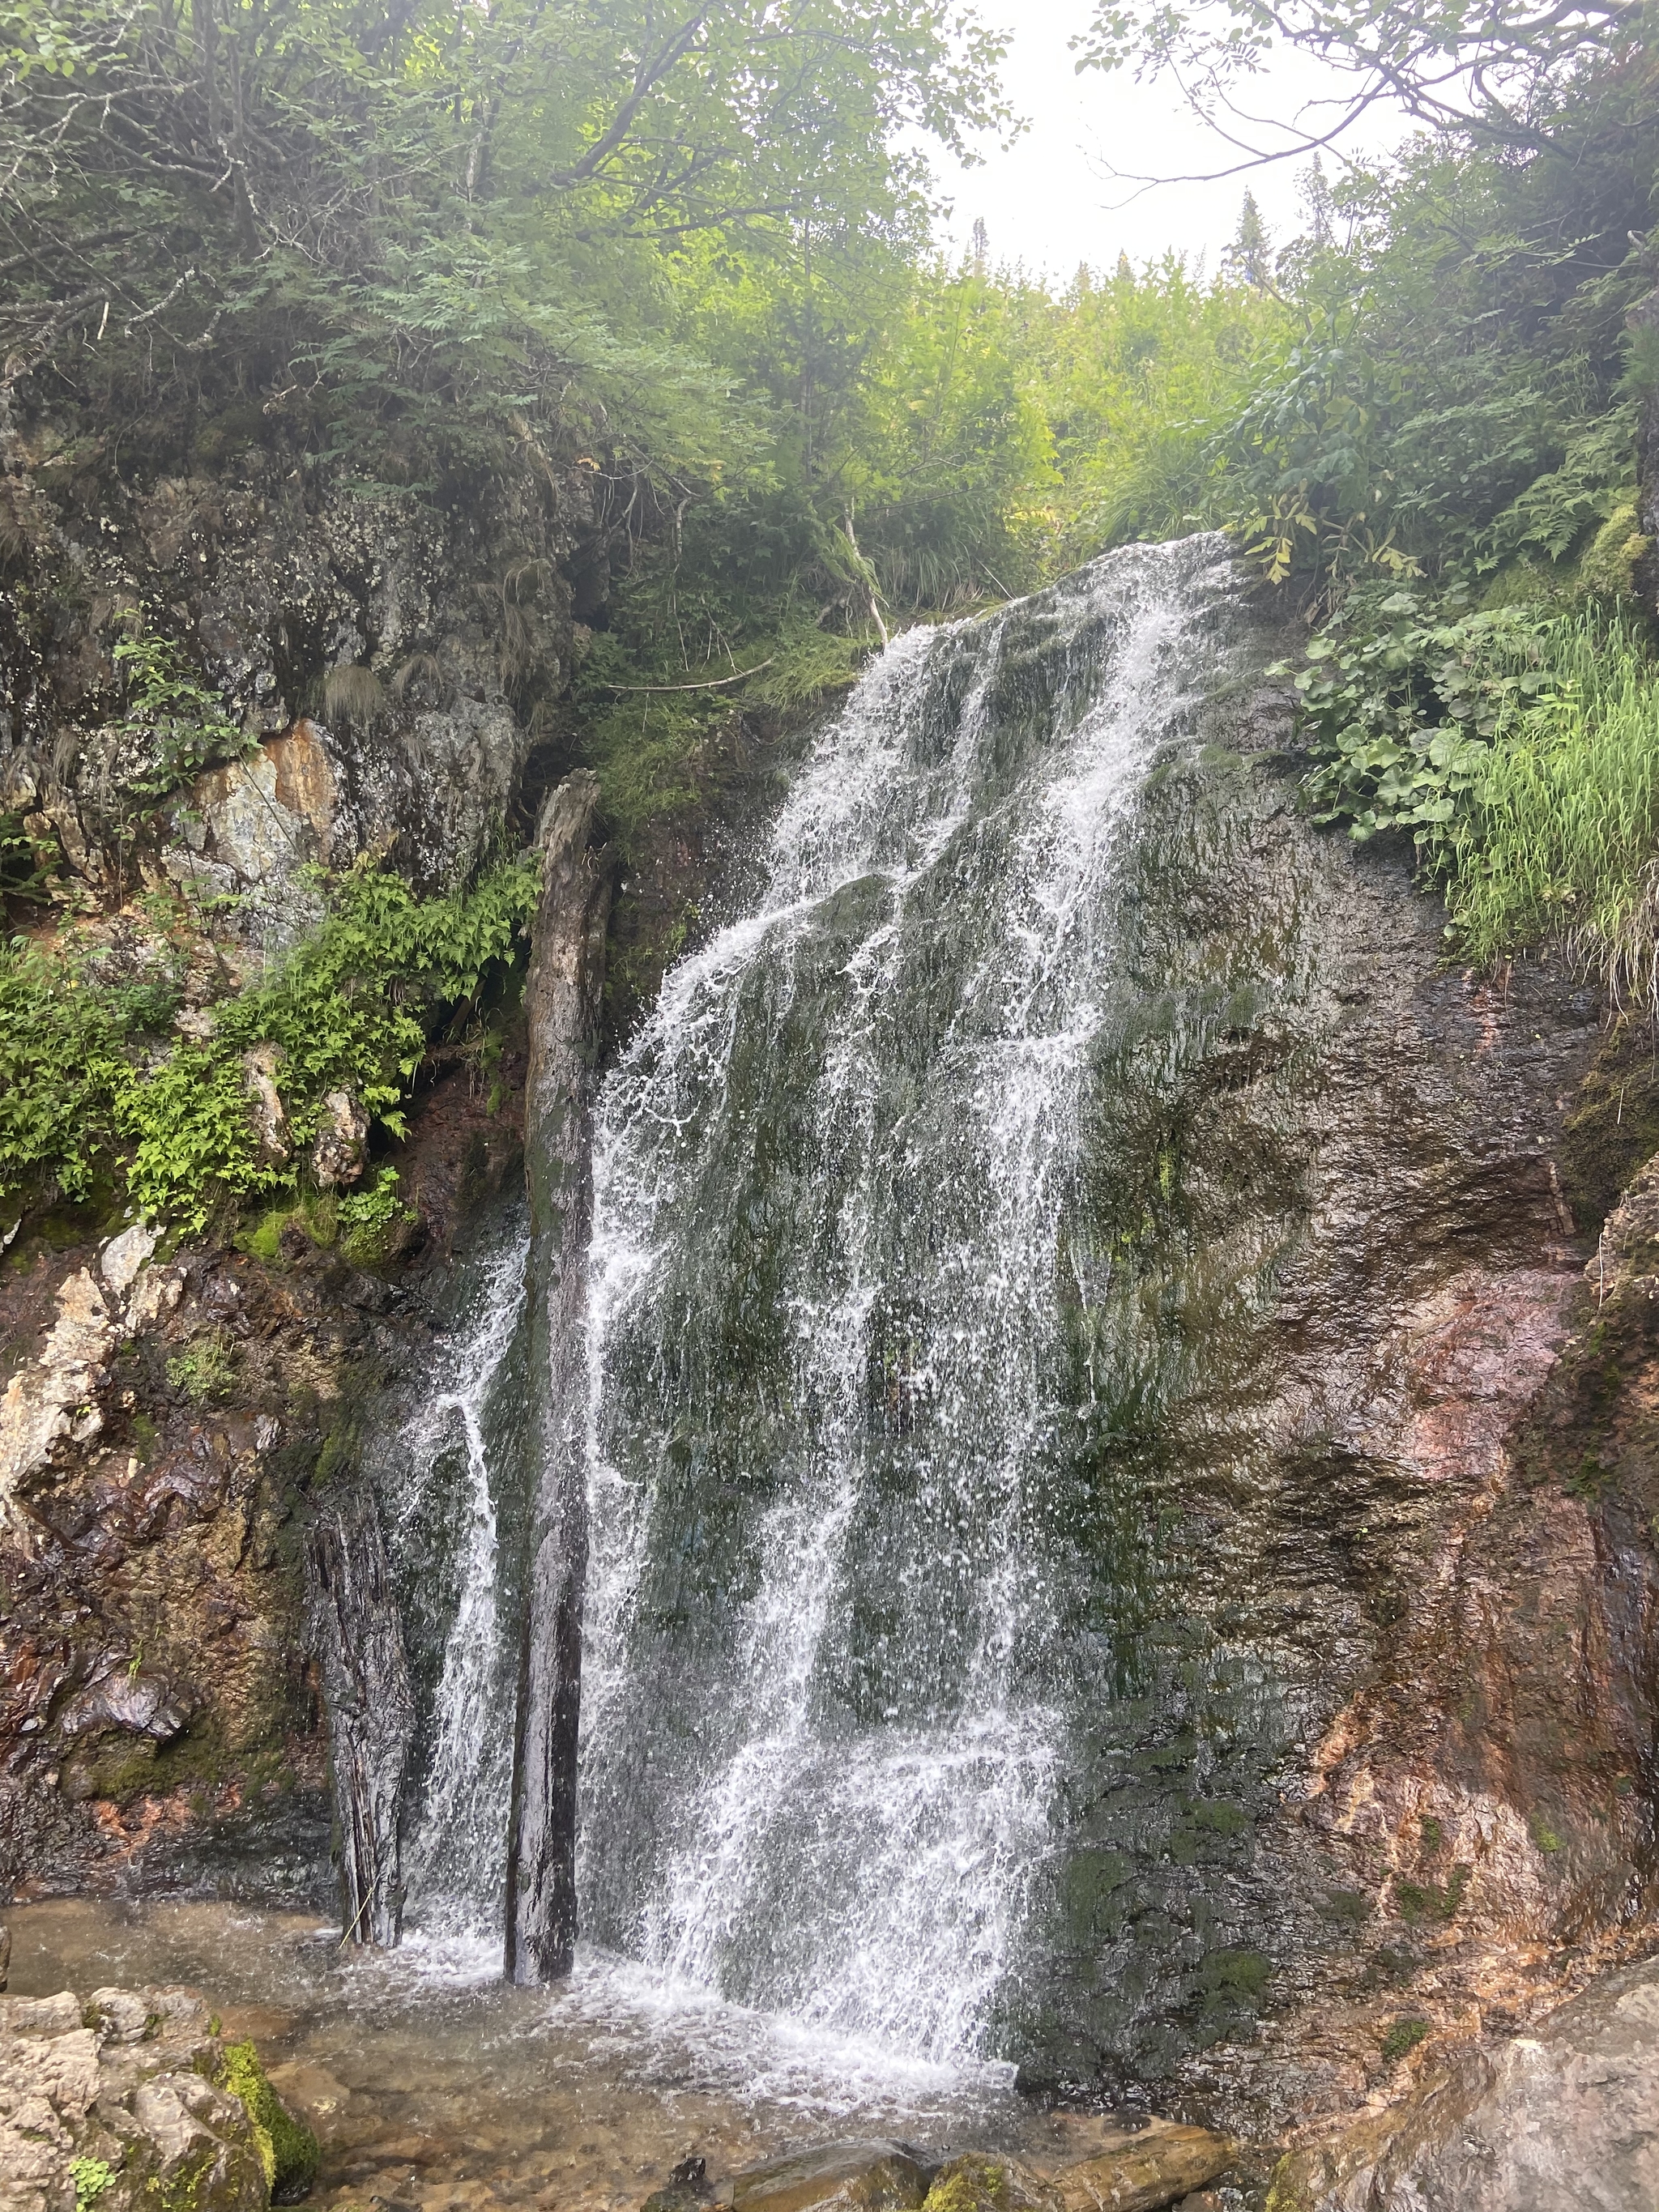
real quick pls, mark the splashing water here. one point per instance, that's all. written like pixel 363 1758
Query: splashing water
pixel 457 1446
pixel 826 1687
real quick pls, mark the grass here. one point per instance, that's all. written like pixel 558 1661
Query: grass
pixel 1561 838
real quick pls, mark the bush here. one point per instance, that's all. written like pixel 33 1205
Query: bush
pixel 92 1078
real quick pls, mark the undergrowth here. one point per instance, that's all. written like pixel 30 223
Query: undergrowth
pixel 1521 749
pixel 96 1084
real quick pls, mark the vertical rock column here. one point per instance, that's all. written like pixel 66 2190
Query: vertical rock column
pixel 370 1707
pixel 566 973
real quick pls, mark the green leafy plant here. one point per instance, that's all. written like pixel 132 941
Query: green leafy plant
pixel 93 2178
pixel 1402 710
pixel 183 716
pixel 205 1370
pixel 93 1081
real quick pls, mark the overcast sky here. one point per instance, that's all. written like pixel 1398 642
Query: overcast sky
pixel 1051 202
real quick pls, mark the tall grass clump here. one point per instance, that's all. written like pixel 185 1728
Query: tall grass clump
pixel 1560 837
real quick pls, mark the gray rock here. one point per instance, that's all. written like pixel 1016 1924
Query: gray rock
pixel 853 2177
pixel 119 2087
pixel 1148 2169
pixel 1566 2119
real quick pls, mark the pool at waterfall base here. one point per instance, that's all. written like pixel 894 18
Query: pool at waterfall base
pixel 435 2086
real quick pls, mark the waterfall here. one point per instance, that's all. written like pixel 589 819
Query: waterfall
pixel 455 1458
pixel 832 1659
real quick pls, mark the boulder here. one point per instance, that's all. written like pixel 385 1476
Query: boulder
pixel 1158 2166
pixel 1567 2116
pixel 852 2177
pixel 129 2099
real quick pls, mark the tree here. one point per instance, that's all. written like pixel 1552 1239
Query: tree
pixel 1500 68
pixel 1249 257
pixel 330 196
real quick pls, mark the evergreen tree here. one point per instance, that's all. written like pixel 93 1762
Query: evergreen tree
pixel 1249 256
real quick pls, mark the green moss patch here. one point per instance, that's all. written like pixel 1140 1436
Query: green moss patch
pixel 289 2151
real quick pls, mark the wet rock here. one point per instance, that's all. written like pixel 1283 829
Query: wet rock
pixel 977 2183
pixel 850 2177
pixel 1568 2116
pixel 1155 2167
pixel 5 1958
pixel 136 1703
pixel 115 2100
pixel 687 2190
pixel 54 1400
pixel 337 1154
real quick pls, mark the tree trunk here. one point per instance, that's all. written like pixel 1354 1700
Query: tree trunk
pixel 566 973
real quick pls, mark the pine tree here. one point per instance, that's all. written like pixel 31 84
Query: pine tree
pixel 1249 255
pixel 980 248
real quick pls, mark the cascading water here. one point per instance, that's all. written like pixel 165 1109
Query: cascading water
pixel 832 1661
pixel 454 1461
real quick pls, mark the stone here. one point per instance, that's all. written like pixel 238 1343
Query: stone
pixel 53 1399
pixel 1567 2116
pixel 338 1153
pixel 121 2087
pixel 259 1066
pixel 852 2177
pixel 123 1255
pixel 1154 2167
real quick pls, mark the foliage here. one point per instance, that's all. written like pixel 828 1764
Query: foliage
pixel 1403 2035
pixel 1560 834
pixel 205 1370
pixel 1499 65
pixel 1402 706
pixel 93 2178
pixel 91 1074
pixel 183 718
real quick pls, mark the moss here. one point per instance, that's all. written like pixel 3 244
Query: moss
pixel 289 2151
pixel 1423 1901
pixel 971 2185
pixel 1405 2035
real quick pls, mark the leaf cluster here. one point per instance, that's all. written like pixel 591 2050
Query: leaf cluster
pixel 94 1082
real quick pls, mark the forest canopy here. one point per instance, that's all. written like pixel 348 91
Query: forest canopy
pixel 696 249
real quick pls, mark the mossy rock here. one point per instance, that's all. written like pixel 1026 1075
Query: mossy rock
pixel 287 2149
pixel 974 2183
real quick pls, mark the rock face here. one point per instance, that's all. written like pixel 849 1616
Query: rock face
pixel 1566 2115
pixel 1391 1665
pixel 170 1431
pixel 114 2100
pixel 377 659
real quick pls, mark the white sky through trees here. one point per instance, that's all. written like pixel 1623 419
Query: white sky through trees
pixel 1051 202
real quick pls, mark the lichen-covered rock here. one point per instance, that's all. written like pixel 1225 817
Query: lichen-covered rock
pixel 379 663
pixel 115 2100
pixel 1566 2117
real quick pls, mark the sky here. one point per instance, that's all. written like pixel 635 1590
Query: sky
pixel 1052 202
